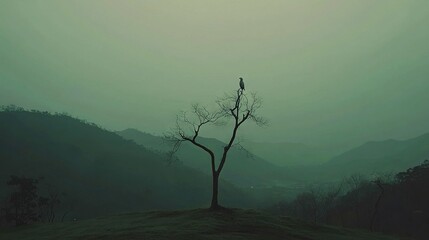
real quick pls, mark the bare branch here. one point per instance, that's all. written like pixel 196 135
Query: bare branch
pixel 242 107
pixel 188 127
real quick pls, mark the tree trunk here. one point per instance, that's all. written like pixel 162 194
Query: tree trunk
pixel 377 203
pixel 214 205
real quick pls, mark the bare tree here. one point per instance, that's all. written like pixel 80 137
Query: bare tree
pixel 316 203
pixel 381 181
pixel 236 106
pixel 355 187
pixel 48 205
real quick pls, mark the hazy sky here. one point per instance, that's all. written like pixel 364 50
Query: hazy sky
pixel 330 72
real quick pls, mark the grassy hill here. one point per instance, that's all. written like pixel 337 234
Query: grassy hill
pixel 191 224
pixel 99 171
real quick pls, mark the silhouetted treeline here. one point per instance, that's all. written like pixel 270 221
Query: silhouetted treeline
pixel 25 204
pixel 398 205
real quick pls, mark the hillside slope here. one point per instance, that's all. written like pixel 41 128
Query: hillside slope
pixel 241 168
pixel 191 224
pixel 99 172
pixel 289 154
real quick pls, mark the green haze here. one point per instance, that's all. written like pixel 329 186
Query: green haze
pixel 330 72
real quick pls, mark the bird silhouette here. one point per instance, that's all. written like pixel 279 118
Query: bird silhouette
pixel 242 84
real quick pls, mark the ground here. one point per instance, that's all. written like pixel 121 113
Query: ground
pixel 229 224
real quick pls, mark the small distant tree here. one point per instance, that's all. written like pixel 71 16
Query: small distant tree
pixel 317 203
pixel 48 205
pixel 307 206
pixel 237 107
pixel 3 210
pixel 23 202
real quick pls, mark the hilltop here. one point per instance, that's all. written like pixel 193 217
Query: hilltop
pixel 190 224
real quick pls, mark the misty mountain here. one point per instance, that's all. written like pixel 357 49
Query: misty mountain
pixel 372 158
pixel 242 168
pixel 289 154
pixel 99 171
pixel 389 156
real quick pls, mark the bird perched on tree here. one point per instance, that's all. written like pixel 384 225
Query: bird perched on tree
pixel 241 83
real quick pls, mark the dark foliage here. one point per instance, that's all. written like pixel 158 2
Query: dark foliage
pixel 21 205
pixel 397 206
pixel 25 204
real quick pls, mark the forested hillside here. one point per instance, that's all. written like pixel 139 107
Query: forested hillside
pixel 98 171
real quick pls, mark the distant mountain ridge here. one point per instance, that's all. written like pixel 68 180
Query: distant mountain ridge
pixel 370 159
pixel 383 156
pixel 280 154
pixel 374 157
pixel 289 153
pixel 242 168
